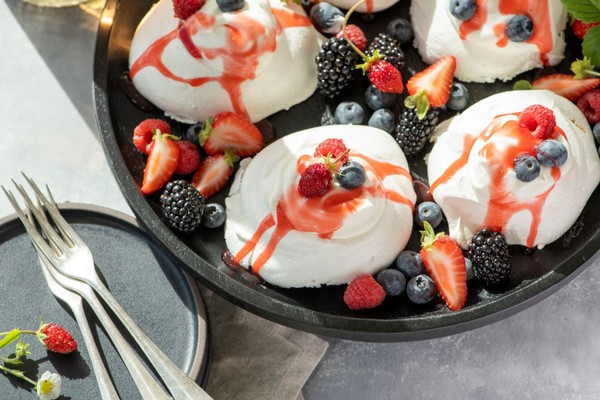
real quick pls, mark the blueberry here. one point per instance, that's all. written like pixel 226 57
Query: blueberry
pixel 377 99
pixel 401 30
pixel 327 18
pixel 596 132
pixel 192 133
pixel 463 9
pixel 551 153
pixel 430 212
pixel 327 117
pixel 349 112
pixel 392 281
pixel 230 5
pixel 469 265
pixel 351 175
pixel 420 289
pixel 214 215
pixel 459 97
pixel 383 119
pixel 519 28
pixel 527 168
pixel 410 263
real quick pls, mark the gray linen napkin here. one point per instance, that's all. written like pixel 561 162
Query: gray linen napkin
pixel 252 358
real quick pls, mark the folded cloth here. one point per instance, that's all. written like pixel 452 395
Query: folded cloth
pixel 252 358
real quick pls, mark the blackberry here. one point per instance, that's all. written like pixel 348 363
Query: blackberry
pixel 182 205
pixel 336 63
pixel 389 47
pixel 490 256
pixel 411 133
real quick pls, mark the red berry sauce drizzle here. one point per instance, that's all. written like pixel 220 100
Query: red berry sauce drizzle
pixel 537 10
pixel 502 206
pixel 245 43
pixel 321 215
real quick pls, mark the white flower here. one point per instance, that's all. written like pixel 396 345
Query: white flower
pixel 48 387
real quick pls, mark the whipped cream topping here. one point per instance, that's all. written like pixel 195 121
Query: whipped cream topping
pixel 291 241
pixel 470 170
pixel 255 61
pixel 370 6
pixel 483 51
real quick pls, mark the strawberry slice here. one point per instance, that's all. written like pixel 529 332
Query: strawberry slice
pixel 435 81
pixel 566 85
pixel 143 132
pixel 214 172
pixel 227 130
pixel 445 263
pixel 161 164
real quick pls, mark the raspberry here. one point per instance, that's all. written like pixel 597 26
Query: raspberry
pixel 589 104
pixel 334 146
pixel 142 134
pixel 539 120
pixel 185 8
pixel 314 181
pixel 189 157
pixel 56 338
pixel 364 292
pixel 356 36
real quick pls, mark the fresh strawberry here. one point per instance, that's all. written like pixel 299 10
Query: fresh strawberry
pixel 227 130
pixel 183 9
pixel 385 77
pixel 189 157
pixel 580 28
pixel 315 180
pixel 539 120
pixel 335 147
pixel 363 292
pixel 161 163
pixel 214 172
pixel 56 338
pixel 566 85
pixel 355 35
pixel 589 104
pixel 142 133
pixel 435 81
pixel 445 264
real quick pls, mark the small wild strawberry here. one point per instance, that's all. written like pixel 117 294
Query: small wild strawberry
pixel 56 338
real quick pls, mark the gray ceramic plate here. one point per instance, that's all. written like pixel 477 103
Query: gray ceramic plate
pixel 157 294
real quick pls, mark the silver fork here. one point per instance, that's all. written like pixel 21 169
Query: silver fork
pixel 75 260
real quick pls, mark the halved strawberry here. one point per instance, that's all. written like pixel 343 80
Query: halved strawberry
pixel 142 133
pixel 445 264
pixel 566 85
pixel 161 163
pixel 435 81
pixel 229 129
pixel 214 172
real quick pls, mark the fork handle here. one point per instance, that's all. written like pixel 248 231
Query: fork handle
pixel 146 384
pixel 181 386
pixel 107 389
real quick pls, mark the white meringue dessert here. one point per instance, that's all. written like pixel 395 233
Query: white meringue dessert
pixel 472 177
pixel 482 49
pixel 255 61
pixel 292 241
pixel 370 6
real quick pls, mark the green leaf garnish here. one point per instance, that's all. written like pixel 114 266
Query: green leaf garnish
pixel 591 44
pixel 10 337
pixel 522 85
pixel 583 10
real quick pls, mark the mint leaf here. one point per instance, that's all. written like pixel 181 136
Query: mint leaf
pixel 583 10
pixel 591 44
pixel 10 337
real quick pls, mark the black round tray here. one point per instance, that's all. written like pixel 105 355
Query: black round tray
pixel 318 310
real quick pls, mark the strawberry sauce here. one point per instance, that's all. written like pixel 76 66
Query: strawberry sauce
pixel 322 215
pixel 246 41
pixel 510 140
pixel 476 22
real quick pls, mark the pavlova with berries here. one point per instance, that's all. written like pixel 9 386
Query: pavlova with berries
pixel 349 202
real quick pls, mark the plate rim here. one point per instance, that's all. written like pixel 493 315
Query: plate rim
pixel 292 315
